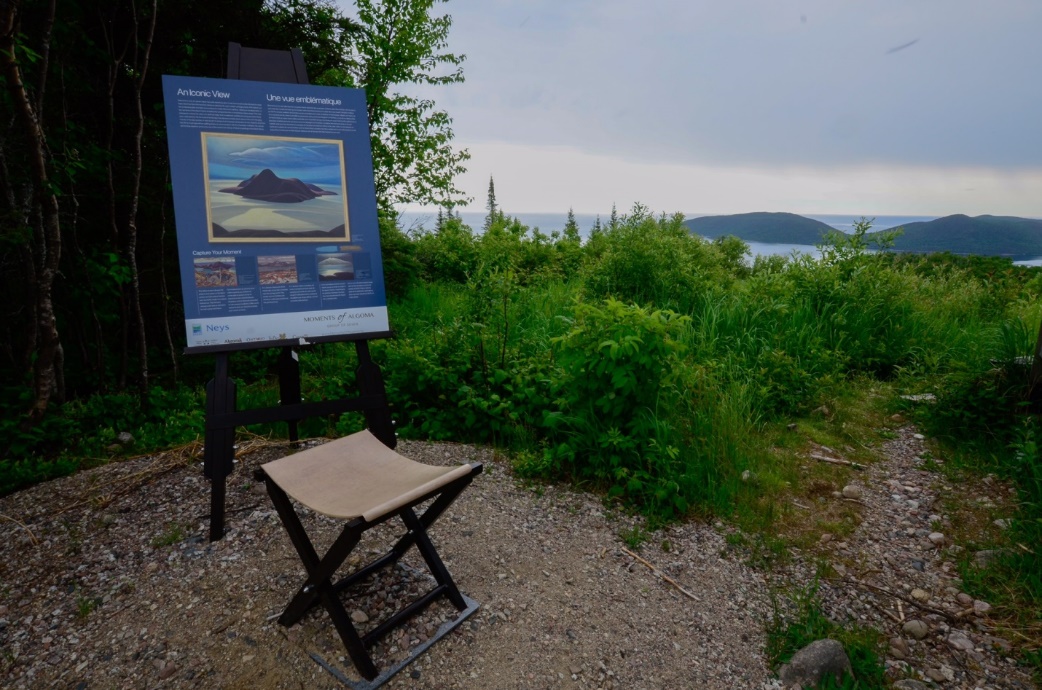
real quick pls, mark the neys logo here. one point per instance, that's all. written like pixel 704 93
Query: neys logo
pixel 197 329
pixel 217 328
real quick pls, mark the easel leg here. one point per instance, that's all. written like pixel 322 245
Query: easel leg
pixel 219 453
pixel 289 386
pixel 371 382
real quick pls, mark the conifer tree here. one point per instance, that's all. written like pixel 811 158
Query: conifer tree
pixel 491 206
pixel 613 220
pixel 596 229
pixel 571 228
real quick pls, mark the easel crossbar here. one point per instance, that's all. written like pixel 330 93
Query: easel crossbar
pixel 294 412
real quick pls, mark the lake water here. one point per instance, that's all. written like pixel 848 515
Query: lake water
pixel 548 222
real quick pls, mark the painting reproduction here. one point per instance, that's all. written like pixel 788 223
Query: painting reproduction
pixel 215 273
pixel 274 189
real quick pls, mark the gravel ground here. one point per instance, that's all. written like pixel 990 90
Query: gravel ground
pixel 107 581
pixel 897 571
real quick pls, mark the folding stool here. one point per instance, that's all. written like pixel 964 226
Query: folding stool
pixel 359 479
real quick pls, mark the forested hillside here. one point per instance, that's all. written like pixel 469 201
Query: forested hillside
pixel 785 228
pixel 984 235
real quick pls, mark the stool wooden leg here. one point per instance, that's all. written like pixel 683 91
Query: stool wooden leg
pixel 323 571
pixel 434 562
pixel 348 635
pixel 317 586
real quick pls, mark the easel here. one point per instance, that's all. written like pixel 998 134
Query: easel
pixel 222 417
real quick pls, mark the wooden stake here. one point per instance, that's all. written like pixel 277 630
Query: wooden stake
pixel 661 574
pixel 837 461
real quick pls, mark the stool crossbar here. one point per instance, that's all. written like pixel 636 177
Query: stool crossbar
pixel 360 480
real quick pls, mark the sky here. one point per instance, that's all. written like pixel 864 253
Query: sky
pixel 881 107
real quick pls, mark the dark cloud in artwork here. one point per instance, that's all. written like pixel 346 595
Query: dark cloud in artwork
pixel 291 156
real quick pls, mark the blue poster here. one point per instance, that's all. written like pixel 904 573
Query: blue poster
pixel 276 213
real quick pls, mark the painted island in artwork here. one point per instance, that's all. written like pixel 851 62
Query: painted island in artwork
pixel 274 189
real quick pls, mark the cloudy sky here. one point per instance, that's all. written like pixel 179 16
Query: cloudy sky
pixel 879 107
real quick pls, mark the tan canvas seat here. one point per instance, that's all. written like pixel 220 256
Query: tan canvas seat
pixel 357 476
pixel 359 479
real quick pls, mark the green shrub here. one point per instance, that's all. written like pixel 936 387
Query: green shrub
pixel 398 254
pixel 614 383
pixel 81 432
pixel 983 400
pixel 656 262
pixel 449 254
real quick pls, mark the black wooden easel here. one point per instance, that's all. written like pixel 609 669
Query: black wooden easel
pixel 222 416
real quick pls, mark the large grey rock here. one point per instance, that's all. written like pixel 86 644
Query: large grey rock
pixel 812 663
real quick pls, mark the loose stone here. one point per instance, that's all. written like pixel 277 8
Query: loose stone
pixel 916 628
pixel 960 641
pixel 851 491
pixel 899 648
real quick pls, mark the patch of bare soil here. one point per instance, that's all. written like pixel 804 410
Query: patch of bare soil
pixel 107 581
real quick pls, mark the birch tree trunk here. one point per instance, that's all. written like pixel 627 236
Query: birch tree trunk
pixel 47 358
pixel 135 188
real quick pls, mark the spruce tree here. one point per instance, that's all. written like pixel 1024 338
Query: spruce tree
pixel 493 212
pixel 613 220
pixel 571 228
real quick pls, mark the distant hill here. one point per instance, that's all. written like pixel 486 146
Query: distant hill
pixel 778 228
pixel 958 234
pixel 984 235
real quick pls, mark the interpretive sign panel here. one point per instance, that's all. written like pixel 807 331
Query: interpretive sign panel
pixel 276 213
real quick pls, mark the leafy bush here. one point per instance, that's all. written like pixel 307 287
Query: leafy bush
pixel 400 266
pixel 80 433
pixel 983 400
pixel 657 262
pixel 449 254
pixel 614 384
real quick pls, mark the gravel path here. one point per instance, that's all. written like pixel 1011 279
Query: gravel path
pixel 897 571
pixel 108 582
